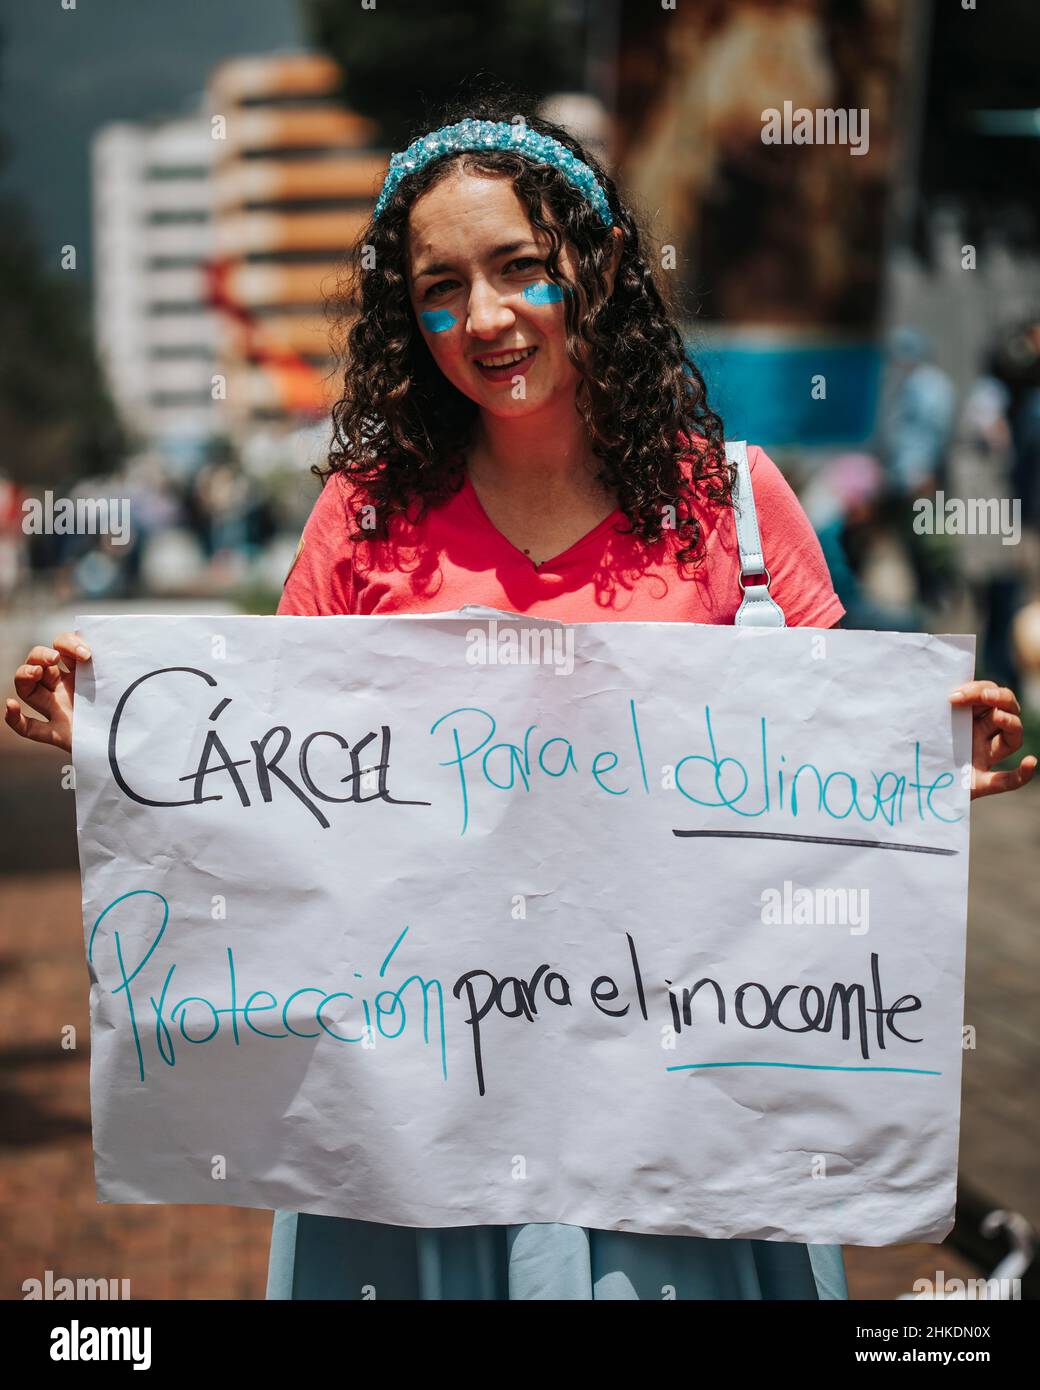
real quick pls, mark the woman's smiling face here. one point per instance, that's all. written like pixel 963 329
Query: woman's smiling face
pixel 490 315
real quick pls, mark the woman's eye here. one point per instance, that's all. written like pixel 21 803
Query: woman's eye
pixel 523 263
pixel 439 288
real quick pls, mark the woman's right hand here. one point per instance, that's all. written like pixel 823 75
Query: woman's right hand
pixel 48 689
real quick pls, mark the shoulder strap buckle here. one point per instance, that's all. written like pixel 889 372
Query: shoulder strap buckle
pixel 757 608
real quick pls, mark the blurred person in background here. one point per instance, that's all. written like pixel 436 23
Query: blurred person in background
pixel 154 509
pixel 919 426
pixel 982 466
pixel 1017 367
pixel 917 431
pixel 13 547
pixel 844 503
pixel 232 517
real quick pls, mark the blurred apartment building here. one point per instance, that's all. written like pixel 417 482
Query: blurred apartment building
pixel 153 234
pixel 294 180
pixel 219 239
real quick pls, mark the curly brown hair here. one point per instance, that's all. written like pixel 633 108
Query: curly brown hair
pixel 401 429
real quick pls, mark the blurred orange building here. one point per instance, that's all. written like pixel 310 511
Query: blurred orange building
pixel 294 179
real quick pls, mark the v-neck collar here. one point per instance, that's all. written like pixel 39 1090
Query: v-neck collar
pixel 469 493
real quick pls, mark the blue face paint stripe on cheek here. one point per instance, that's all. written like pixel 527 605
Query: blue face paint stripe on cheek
pixel 545 292
pixel 438 320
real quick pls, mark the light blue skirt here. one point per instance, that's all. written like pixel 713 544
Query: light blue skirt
pixel 332 1257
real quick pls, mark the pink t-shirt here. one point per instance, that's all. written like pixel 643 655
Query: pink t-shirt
pixel 455 556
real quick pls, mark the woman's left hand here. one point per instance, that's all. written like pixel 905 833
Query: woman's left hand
pixel 996 734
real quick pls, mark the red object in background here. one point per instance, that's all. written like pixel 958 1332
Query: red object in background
pixel 11 515
pixel 299 382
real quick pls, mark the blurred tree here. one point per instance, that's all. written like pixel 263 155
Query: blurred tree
pixel 56 419
pixel 403 59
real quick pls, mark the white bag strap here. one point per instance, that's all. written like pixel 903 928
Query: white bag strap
pixel 758 608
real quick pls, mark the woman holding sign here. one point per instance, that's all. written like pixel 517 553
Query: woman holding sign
pixel 521 428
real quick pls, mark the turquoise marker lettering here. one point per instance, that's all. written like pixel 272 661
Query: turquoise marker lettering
pixel 598 772
pixel 569 765
pixel 639 745
pixel 199 1019
pixel 717 780
pixel 126 979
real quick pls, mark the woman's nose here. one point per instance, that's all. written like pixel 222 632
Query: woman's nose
pixel 488 313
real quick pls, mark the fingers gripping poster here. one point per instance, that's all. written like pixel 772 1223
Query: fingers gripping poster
pixel 464 920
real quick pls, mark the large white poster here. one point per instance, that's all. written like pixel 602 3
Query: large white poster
pixel 459 920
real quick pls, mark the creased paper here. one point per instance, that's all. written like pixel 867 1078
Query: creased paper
pixel 482 920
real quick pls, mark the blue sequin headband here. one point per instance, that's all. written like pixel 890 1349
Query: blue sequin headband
pixel 494 135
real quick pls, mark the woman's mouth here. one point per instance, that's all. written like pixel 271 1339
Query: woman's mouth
pixel 503 366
